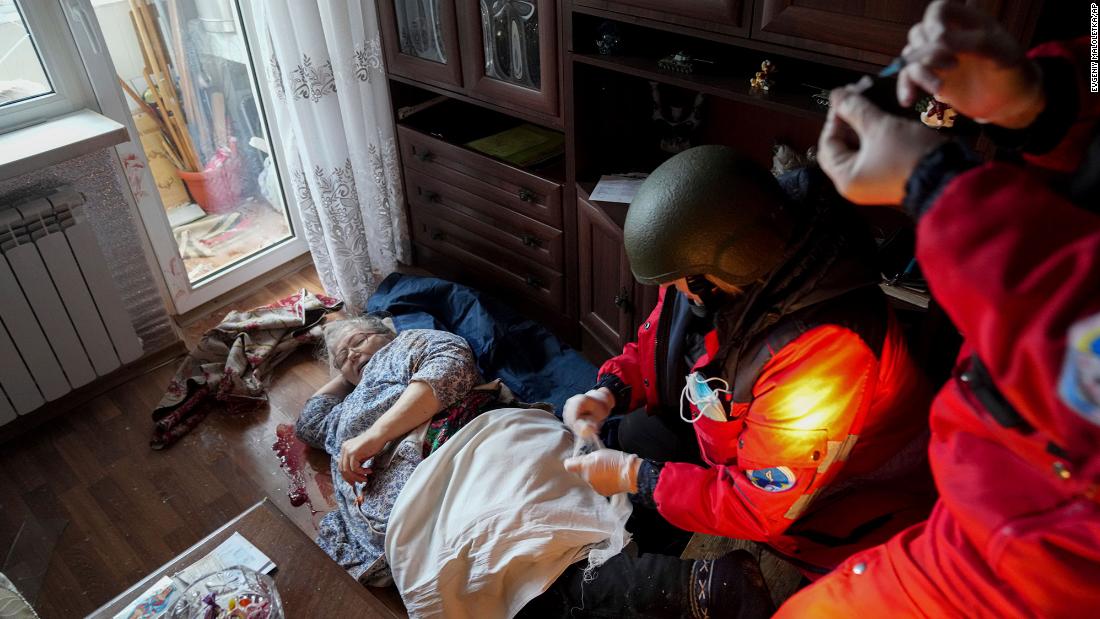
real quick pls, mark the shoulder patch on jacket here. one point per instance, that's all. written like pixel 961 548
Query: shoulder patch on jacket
pixel 775 479
pixel 1079 384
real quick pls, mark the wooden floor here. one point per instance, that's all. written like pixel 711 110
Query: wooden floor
pixel 112 509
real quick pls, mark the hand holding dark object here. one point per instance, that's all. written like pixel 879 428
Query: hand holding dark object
pixel 869 154
pixel 967 60
pixel 355 451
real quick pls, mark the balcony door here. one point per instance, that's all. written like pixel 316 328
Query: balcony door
pixel 204 170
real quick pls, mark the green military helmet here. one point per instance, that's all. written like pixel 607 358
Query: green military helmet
pixel 707 211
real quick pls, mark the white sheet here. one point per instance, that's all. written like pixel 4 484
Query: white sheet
pixel 492 518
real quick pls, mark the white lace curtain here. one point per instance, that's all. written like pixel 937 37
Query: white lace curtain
pixel 324 63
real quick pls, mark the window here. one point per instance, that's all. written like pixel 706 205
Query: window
pixel 40 75
pixel 22 75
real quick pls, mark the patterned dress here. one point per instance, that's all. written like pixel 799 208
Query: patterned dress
pixel 355 535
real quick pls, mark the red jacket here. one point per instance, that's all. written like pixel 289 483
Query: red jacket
pixel 1017 530
pixel 827 409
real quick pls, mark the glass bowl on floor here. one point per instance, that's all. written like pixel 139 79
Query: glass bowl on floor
pixel 233 593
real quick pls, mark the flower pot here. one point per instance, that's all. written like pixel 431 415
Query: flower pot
pixel 217 189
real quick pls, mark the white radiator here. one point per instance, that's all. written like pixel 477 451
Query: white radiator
pixel 62 321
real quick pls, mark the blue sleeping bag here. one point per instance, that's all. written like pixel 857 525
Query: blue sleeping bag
pixel 521 352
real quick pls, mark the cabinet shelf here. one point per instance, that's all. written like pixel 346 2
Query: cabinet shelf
pixel 726 87
pixel 714 33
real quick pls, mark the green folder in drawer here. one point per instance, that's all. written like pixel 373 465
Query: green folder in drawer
pixel 525 145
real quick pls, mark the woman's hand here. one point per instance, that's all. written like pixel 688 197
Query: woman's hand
pixel 354 451
pixel 584 413
pixel 970 62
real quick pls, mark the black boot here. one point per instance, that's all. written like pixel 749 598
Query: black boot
pixel 730 586
pixel 654 586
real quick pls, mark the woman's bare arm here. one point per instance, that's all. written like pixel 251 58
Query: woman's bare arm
pixel 416 405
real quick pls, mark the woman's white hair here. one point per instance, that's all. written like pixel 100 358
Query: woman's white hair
pixel 335 331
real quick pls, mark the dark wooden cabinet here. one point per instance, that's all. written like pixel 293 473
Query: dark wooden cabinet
pixel 612 303
pixel 485 223
pixel 503 229
pixel 503 52
pixel 606 284
pixel 420 39
pixel 511 53
pixel 725 16
pixel 513 188
pixel 871 31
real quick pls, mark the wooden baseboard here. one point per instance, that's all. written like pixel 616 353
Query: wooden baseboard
pixel 76 397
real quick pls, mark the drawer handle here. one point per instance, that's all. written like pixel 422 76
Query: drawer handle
pixel 526 195
pixel 432 196
pixel 621 300
pixel 438 236
pixel 530 240
pixel 533 281
pixel 425 155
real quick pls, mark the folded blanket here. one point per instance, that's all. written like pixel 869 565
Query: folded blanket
pixel 523 353
pixel 491 519
pixel 234 360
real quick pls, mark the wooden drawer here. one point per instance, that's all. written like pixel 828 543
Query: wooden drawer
pixel 506 229
pixel 471 253
pixel 523 192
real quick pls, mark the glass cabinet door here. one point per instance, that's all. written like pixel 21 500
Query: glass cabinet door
pixel 512 58
pixel 420 30
pixel 420 40
pixel 510 41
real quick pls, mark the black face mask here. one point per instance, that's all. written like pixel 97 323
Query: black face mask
pixel 710 297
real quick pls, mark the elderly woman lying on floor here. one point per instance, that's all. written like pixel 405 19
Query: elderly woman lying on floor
pixel 491 519
pixel 388 385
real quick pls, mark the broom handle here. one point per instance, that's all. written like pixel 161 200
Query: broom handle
pixel 166 89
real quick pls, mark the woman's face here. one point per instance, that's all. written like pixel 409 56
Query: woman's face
pixel 354 350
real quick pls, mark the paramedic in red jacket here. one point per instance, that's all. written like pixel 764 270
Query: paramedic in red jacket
pixel 815 442
pixel 1011 252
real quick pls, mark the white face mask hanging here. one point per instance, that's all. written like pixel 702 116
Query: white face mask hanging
pixel 707 401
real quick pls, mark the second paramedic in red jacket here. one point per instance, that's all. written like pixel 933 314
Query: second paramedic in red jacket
pixel 780 403
pixel 1011 250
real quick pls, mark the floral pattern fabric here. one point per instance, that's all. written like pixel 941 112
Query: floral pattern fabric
pixel 453 418
pixel 233 361
pixel 332 112
pixel 354 534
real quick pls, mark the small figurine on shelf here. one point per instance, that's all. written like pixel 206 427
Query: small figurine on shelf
pixel 681 62
pixel 765 77
pixel 820 95
pixel 937 114
pixel 676 123
pixel 609 40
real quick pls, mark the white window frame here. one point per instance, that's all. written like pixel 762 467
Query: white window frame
pixel 158 240
pixel 50 34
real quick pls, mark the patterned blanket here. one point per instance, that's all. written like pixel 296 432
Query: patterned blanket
pixel 234 360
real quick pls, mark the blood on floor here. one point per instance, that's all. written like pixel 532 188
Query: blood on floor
pixel 301 463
